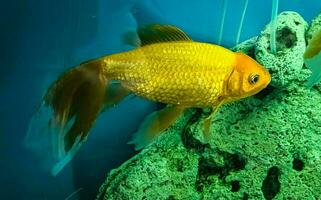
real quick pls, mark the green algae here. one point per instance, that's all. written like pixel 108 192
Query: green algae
pixel 264 147
pixel 160 171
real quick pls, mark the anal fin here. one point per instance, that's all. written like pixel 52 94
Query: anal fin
pixel 154 124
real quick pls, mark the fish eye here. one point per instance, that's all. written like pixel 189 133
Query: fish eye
pixel 253 78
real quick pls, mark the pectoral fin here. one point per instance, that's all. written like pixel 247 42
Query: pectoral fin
pixel 207 122
pixel 154 124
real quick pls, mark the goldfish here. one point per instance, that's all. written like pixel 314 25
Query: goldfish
pixel 312 58
pixel 167 67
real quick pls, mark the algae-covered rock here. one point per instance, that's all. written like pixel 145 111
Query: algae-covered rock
pixel 290 45
pixel 163 170
pixel 247 47
pixel 264 147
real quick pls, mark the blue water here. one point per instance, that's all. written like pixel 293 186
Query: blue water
pixel 41 39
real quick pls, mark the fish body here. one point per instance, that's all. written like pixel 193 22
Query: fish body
pixel 312 58
pixel 167 67
pixel 190 74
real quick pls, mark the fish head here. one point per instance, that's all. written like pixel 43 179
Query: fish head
pixel 247 78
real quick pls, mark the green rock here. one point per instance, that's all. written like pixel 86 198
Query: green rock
pixel 290 45
pixel 163 170
pixel 247 47
pixel 264 147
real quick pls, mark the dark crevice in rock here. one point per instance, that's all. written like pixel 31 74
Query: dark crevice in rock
pixel 171 197
pixel 265 92
pixel 234 161
pixel 205 169
pixel 297 164
pixel 286 38
pixel 297 23
pixel 245 196
pixel 235 186
pixel 271 184
pixel 251 52
pixel 208 167
pixel 180 165
pixel 258 52
pixel 188 139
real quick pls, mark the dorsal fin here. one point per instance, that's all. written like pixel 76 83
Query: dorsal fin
pixel 156 33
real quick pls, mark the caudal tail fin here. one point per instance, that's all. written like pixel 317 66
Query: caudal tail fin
pixel 74 101
pixel 79 96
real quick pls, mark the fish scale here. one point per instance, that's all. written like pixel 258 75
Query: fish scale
pixel 175 72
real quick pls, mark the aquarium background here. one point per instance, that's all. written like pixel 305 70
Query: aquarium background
pixel 41 39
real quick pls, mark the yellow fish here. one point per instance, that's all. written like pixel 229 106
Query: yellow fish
pixel 312 58
pixel 168 67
